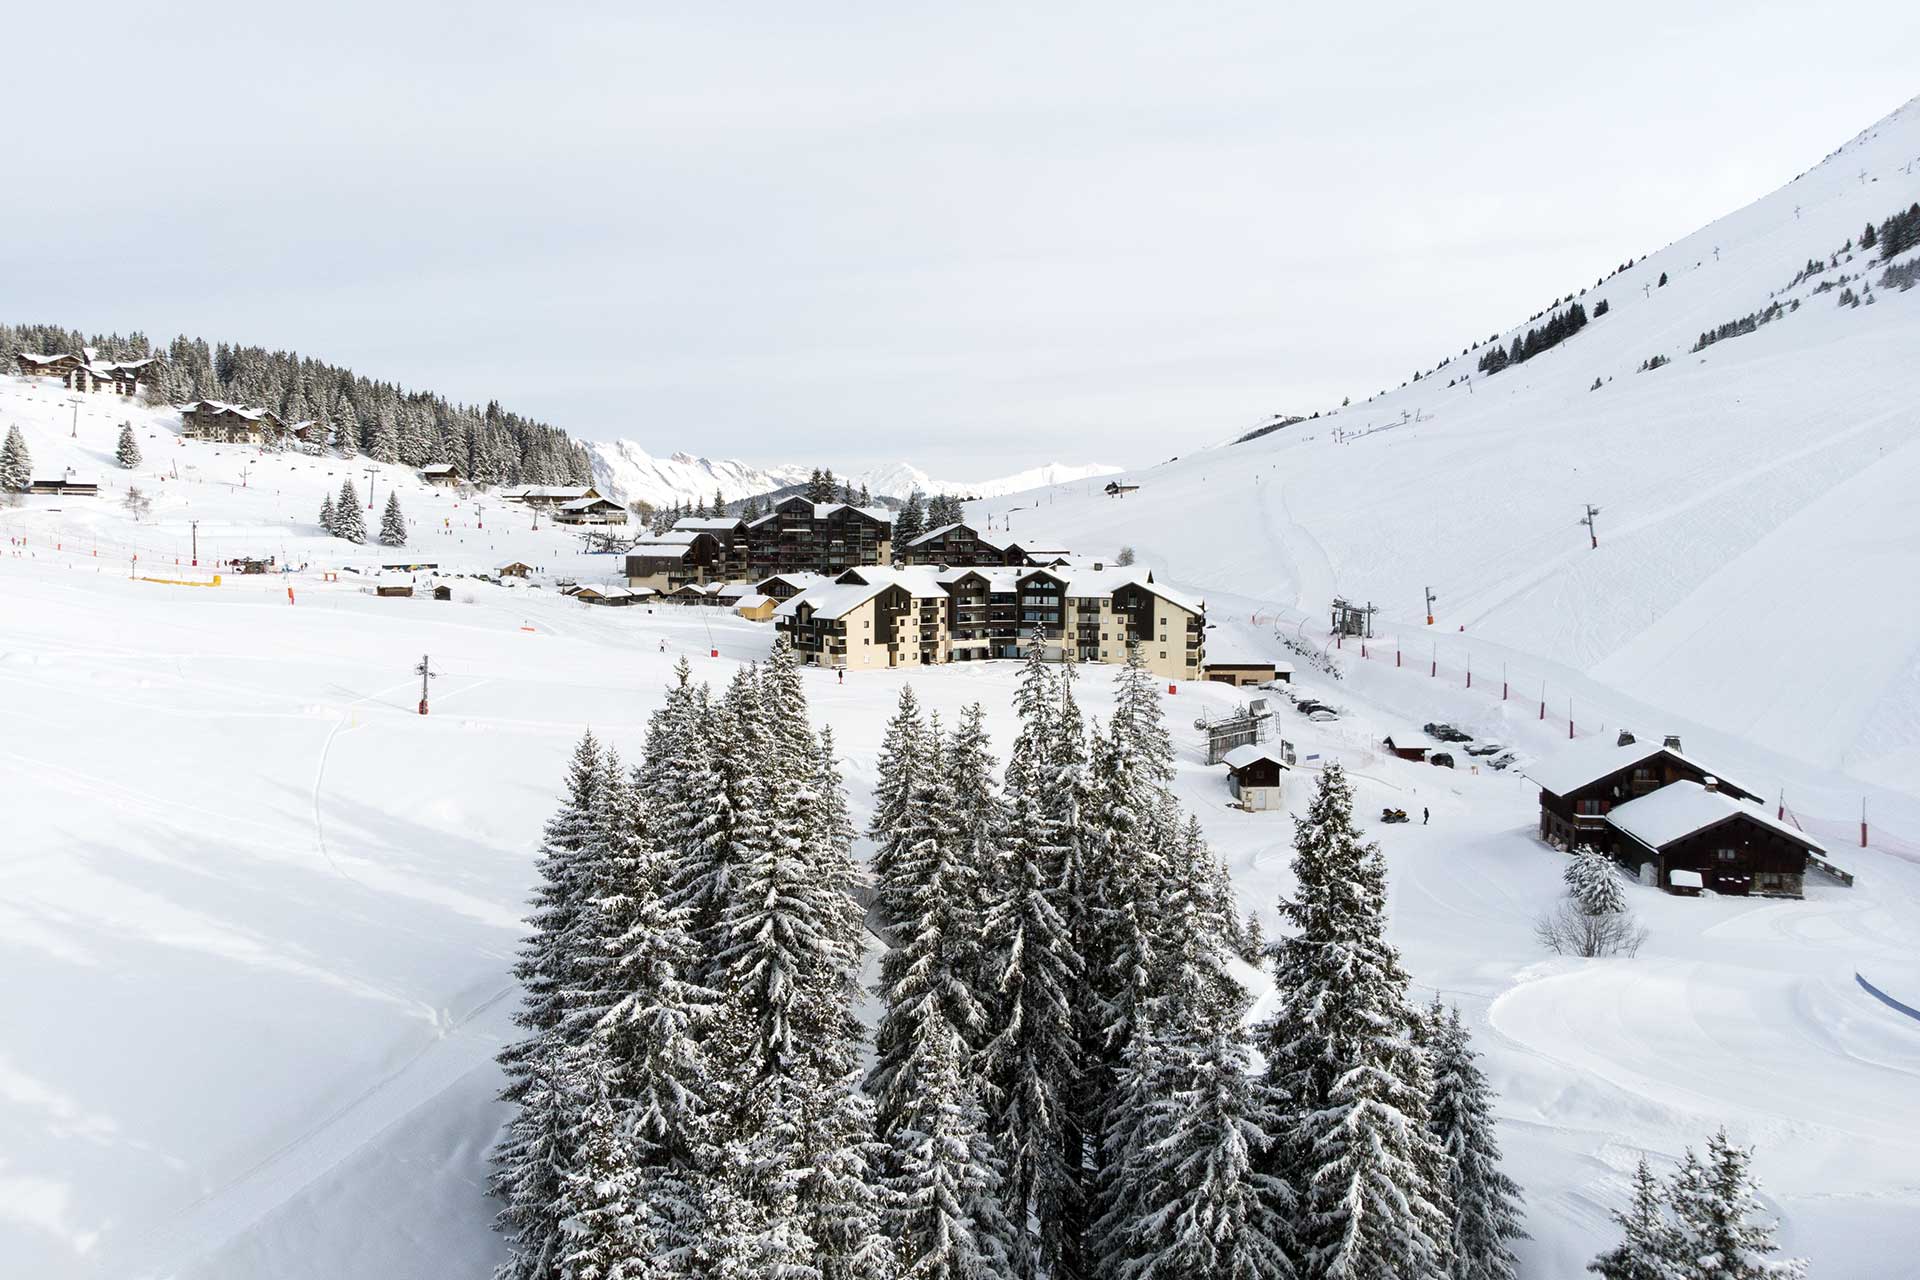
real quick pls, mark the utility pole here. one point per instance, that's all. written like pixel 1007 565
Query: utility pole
pixel 426 672
pixel 74 434
pixel 372 474
pixel 1587 520
pixel 196 543
pixel 1430 599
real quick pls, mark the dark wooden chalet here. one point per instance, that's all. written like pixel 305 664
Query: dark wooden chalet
pixel 1733 846
pixel 1580 786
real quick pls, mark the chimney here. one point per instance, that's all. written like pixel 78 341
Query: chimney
pixel 1672 742
pixel 1710 782
pixel 1626 738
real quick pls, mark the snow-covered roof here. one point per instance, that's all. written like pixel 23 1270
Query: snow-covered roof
pixel 921 581
pixel 832 600
pixel 753 601
pixel 1247 753
pixel 504 565
pixel 1574 767
pixel 661 550
pixel 556 492
pixel 931 534
pixel 698 524
pixel 437 469
pixel 800 578
pixel 1681 878
pixel 1679 809
pixel 588 504
pixel 221 406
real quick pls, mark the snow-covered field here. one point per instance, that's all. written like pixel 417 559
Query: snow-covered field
pixel 259 914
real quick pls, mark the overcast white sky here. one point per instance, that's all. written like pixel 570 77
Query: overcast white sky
pixel 974 237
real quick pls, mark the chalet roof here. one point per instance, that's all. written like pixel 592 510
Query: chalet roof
pixel 822 510
pixel 588 504
pixel 239 411
pixel 754 600
pixel 1571 768
pixel 921 581
pixel 1679 809
pixel 1250 752
pixel 832 600
pixel 709 524
pixel 438 469
pixel 1104 582
pixel 512 564
pixel 985 540
pixel 799 578
pixel 931 534
pixel 662 550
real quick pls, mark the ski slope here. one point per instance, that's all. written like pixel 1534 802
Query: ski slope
pixel 1758 540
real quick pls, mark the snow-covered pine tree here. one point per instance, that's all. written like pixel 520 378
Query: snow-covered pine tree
pixel 1368 1174
pixel 1030 1063
pixel 16 464
pixel 533 1160
pixel 726 821
pixel 127 452
pixel 393 524
pixel 605 1233
pixel 348 523
pixel 932 934
pixel 946 1218
pixel 1486 1202
pixel 1595 883
pixel 346 427
pixel 1189 1134
pixel 976 827
pixel 1647 1244
pixel 383 442
pixel 1718 1231
pixel 626 987
pixel 896 776
pixel 911 520
pixel 326 513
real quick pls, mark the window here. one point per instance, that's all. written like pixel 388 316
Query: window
pixel 1590 808
pixel 1163 653
pixel 1727 855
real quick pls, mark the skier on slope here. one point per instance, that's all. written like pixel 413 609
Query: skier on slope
pixel 1425 814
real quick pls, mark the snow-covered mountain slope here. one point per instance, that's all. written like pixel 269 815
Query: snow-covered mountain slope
pixel 1758 537
pixel 628 472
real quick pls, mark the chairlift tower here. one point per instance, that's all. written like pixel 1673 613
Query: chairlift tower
pixel 425 671
pixel 1592 535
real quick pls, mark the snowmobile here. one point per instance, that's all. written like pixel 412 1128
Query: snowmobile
pixel 1393 815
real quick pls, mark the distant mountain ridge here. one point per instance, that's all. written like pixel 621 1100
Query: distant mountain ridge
pixel 624 470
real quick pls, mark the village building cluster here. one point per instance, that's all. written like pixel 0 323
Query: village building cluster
pixel 1673 820
pixel 86 371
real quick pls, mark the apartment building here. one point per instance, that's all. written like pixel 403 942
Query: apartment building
pixel 917 615
pixel 818 537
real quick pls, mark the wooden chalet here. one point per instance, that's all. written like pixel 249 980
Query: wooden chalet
pixel 614 596
pixel 222 423
pixel 1658 811
pixel 1243 673
pixel 546 495
pixel 755 607
pixel 444 474
pixel 1256 773
pixel 86 371
pixel 669 560
pixel 513 569
pixel 68 485
pixel 1407 746
pixel 594 510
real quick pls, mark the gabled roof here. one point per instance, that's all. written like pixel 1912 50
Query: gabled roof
pixel 1680 809
pixel 439 469
pixel 698 524
pixel 832 600
pixel 661 550
pixel 1247 753
pixel 588 504
pixel 1571 768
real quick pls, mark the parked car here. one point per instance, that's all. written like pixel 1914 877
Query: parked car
pixel 1446 733
pixel 1503 760
pixel 1442 759
pixel 1485 749
pixel 1322 716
